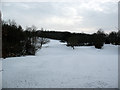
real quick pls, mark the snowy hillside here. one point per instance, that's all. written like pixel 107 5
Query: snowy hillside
pixel 58 66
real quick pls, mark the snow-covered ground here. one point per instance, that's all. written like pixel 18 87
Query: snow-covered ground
pixel 0 73
pixel 58 66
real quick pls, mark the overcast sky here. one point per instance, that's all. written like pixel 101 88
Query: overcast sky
pixel 83 16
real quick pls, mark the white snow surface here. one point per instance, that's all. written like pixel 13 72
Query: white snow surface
pixel 0 73
pixel 58 66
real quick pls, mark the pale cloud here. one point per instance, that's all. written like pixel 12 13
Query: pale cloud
pixel 69 11
pixel 83 16
pixel 92 6
pixel 62 21
pixel 58 21
pixel 25 6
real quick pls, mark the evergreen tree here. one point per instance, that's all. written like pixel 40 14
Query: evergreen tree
pixel 99 39
pixel 113 38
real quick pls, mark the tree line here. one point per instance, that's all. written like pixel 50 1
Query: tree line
pixel 19 42
pixel 97 39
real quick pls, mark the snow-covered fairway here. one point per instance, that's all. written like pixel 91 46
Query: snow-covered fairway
pixel 58 66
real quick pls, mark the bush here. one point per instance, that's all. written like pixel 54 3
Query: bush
pixel 99 45
pixel 99 39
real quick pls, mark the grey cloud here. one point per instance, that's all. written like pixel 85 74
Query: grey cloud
pixel 71 16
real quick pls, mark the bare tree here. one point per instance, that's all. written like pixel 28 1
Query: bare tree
pixel 12 22
pixel 43 41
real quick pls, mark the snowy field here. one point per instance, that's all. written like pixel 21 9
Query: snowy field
pixel 58 66
pixel 0 73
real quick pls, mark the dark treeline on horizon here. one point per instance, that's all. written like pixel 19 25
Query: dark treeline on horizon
pixel 97 39
pixel 19 42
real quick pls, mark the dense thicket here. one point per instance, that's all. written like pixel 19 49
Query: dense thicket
pixel 12 39
pixel 18 42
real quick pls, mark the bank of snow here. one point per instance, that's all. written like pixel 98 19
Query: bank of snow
pixel 58 66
